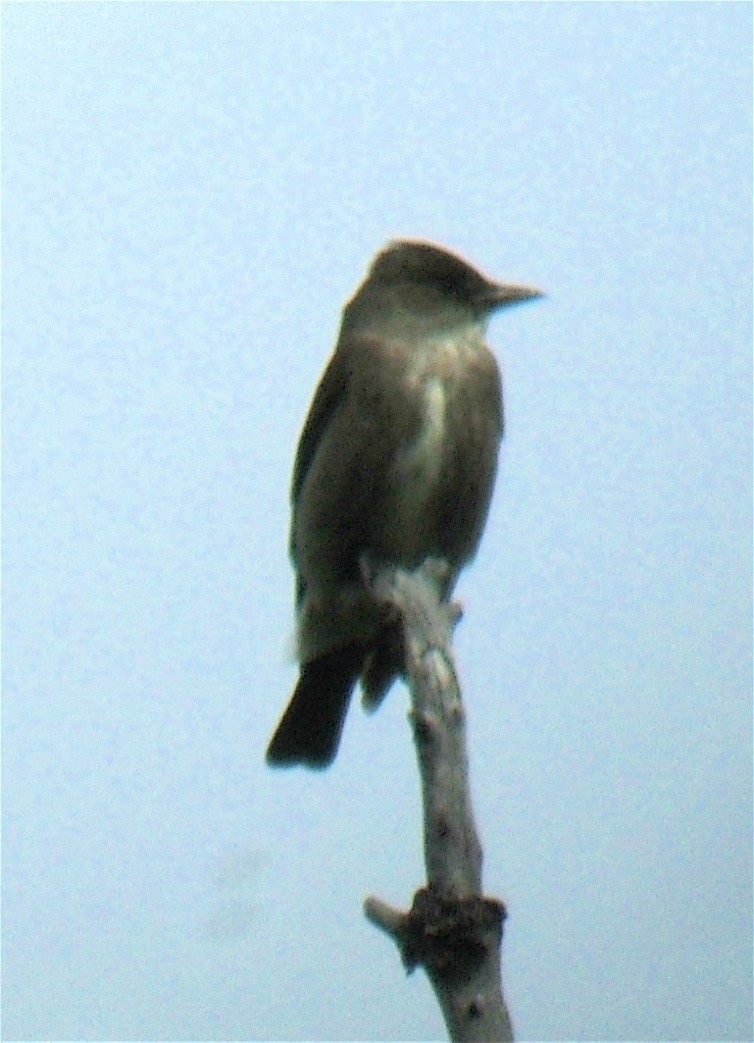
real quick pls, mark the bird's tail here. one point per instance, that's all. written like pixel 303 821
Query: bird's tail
pixel 309 730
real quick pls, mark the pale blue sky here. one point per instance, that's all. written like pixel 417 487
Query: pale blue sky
pixel 190 192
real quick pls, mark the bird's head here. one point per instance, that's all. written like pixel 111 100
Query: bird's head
pixel 418 263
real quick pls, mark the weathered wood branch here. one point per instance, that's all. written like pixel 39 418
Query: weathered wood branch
pixel 451 930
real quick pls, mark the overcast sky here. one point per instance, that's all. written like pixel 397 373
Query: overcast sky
pixel 190 193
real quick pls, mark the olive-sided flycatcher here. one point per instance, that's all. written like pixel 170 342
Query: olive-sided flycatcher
pixel 395 464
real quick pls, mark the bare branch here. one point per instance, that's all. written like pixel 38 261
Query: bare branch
pixel 451 930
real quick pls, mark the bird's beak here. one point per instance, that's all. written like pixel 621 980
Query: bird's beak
pixel 500 295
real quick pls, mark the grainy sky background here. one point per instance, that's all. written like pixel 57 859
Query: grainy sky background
pixel 190 192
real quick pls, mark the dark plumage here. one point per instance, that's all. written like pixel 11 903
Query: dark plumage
pixel 396 461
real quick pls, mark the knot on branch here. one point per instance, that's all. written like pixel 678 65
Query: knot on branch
pixel 448 935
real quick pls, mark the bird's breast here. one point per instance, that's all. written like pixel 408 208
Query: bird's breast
pixel 419 463
pixel 428 503
pixel 438 383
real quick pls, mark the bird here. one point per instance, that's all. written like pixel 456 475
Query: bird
pixel 396 464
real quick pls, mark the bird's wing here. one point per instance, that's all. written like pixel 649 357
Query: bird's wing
pixel 330 405
pixel 328 397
